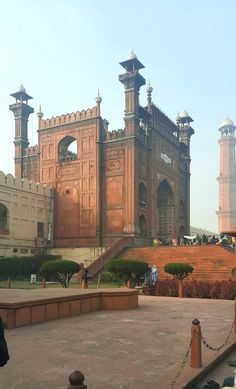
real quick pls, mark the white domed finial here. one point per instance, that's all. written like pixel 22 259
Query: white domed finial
pixel 39 113
pixel 98 99
pixel 227 122
pixel 178 118
pixel 149 88
pixel 21 89
pixel 131 55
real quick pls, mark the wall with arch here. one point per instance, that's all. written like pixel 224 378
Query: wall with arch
pixel 28 203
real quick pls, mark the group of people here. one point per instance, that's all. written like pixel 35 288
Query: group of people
pixel 203 239
pixel 151 275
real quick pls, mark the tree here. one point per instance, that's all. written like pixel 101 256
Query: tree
pixel 127 270
pixel 180 271
pixel 60 270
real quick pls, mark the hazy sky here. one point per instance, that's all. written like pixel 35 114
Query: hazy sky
pixel 64 50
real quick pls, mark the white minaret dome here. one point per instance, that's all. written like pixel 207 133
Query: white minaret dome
pixel 131 55
pixel 227 122
pixel 21 89
pixel 184 114
pixel 149 88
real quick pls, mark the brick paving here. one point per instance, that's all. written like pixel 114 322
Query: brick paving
pixel 132 349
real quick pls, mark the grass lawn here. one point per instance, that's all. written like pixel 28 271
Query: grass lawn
pixel 15 284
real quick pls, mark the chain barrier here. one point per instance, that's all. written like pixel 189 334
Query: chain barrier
pixel 212 348
pixel 176 377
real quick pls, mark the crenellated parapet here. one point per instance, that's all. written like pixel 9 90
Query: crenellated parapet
pixel 31 151
pixel 8 180
pixel 114 135
pixel 69 118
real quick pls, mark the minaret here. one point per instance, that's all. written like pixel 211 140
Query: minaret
pixel 149 90
pixel 21 111
pixel 185 130
pixel 227 178
pixel 132 82
pixel 184 121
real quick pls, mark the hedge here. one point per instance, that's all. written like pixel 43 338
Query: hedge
pixel 195 289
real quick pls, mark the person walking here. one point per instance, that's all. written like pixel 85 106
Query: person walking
pixel 154 274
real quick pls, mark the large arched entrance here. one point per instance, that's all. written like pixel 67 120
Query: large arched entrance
pixel 165 211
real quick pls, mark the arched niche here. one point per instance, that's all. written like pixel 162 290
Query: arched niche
pixel 143 226
pixel 142 195
pixel 165 211
pixel 4 219
pixel 181 210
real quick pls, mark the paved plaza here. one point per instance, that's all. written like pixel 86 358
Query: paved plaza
pixel 134 349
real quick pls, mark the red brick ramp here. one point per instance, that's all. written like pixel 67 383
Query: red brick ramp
pixel 209 262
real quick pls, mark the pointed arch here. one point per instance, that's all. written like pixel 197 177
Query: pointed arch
pixel 4 219
pixel 165 211
pixel 67 149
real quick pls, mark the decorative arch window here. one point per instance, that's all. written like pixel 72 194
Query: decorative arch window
pixel 67 149
pixel 4 219
pixel 142 195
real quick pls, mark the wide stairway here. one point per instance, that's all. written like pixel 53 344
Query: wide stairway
pixel 209 262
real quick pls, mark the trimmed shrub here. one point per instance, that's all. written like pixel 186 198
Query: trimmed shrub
pixel 127 269
pixel 179 270
pixel 60 270
pixel 198 289
pixel 167 287
pixel 21 267
pixel 149 289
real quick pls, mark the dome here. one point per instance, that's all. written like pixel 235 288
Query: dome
pixel 149 88
pixel 184 114
pixel 98 99
pixel 177 118
pixel 131 55
pixel 21 89
pixel 227 122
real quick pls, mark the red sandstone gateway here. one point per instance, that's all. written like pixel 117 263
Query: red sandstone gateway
pixel 131 182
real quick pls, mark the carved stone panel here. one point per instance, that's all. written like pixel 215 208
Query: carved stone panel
pixel 114 191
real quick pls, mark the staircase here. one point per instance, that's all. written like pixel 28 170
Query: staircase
pixel 96 266
pixel 210 262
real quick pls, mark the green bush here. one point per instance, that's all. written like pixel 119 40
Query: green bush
pixel 127 269
pixel 107 276
pixel 21 267
pixel 60 270
pixel 179 270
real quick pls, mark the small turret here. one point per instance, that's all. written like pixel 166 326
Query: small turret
pixel 186 131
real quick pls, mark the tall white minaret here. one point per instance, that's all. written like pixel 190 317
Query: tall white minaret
pixel 227 178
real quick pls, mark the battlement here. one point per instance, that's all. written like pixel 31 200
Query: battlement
pixel 8 180
pixel 31 151
pixel 160 117
pixel 68 118
pixel 114 135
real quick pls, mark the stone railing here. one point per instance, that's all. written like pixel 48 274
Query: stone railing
pixel 96 266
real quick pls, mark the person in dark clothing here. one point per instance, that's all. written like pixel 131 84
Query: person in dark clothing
pixel 85 278
pixel 4 356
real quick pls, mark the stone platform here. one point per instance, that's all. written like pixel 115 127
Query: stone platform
pixel 120 349
pixel 26 307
